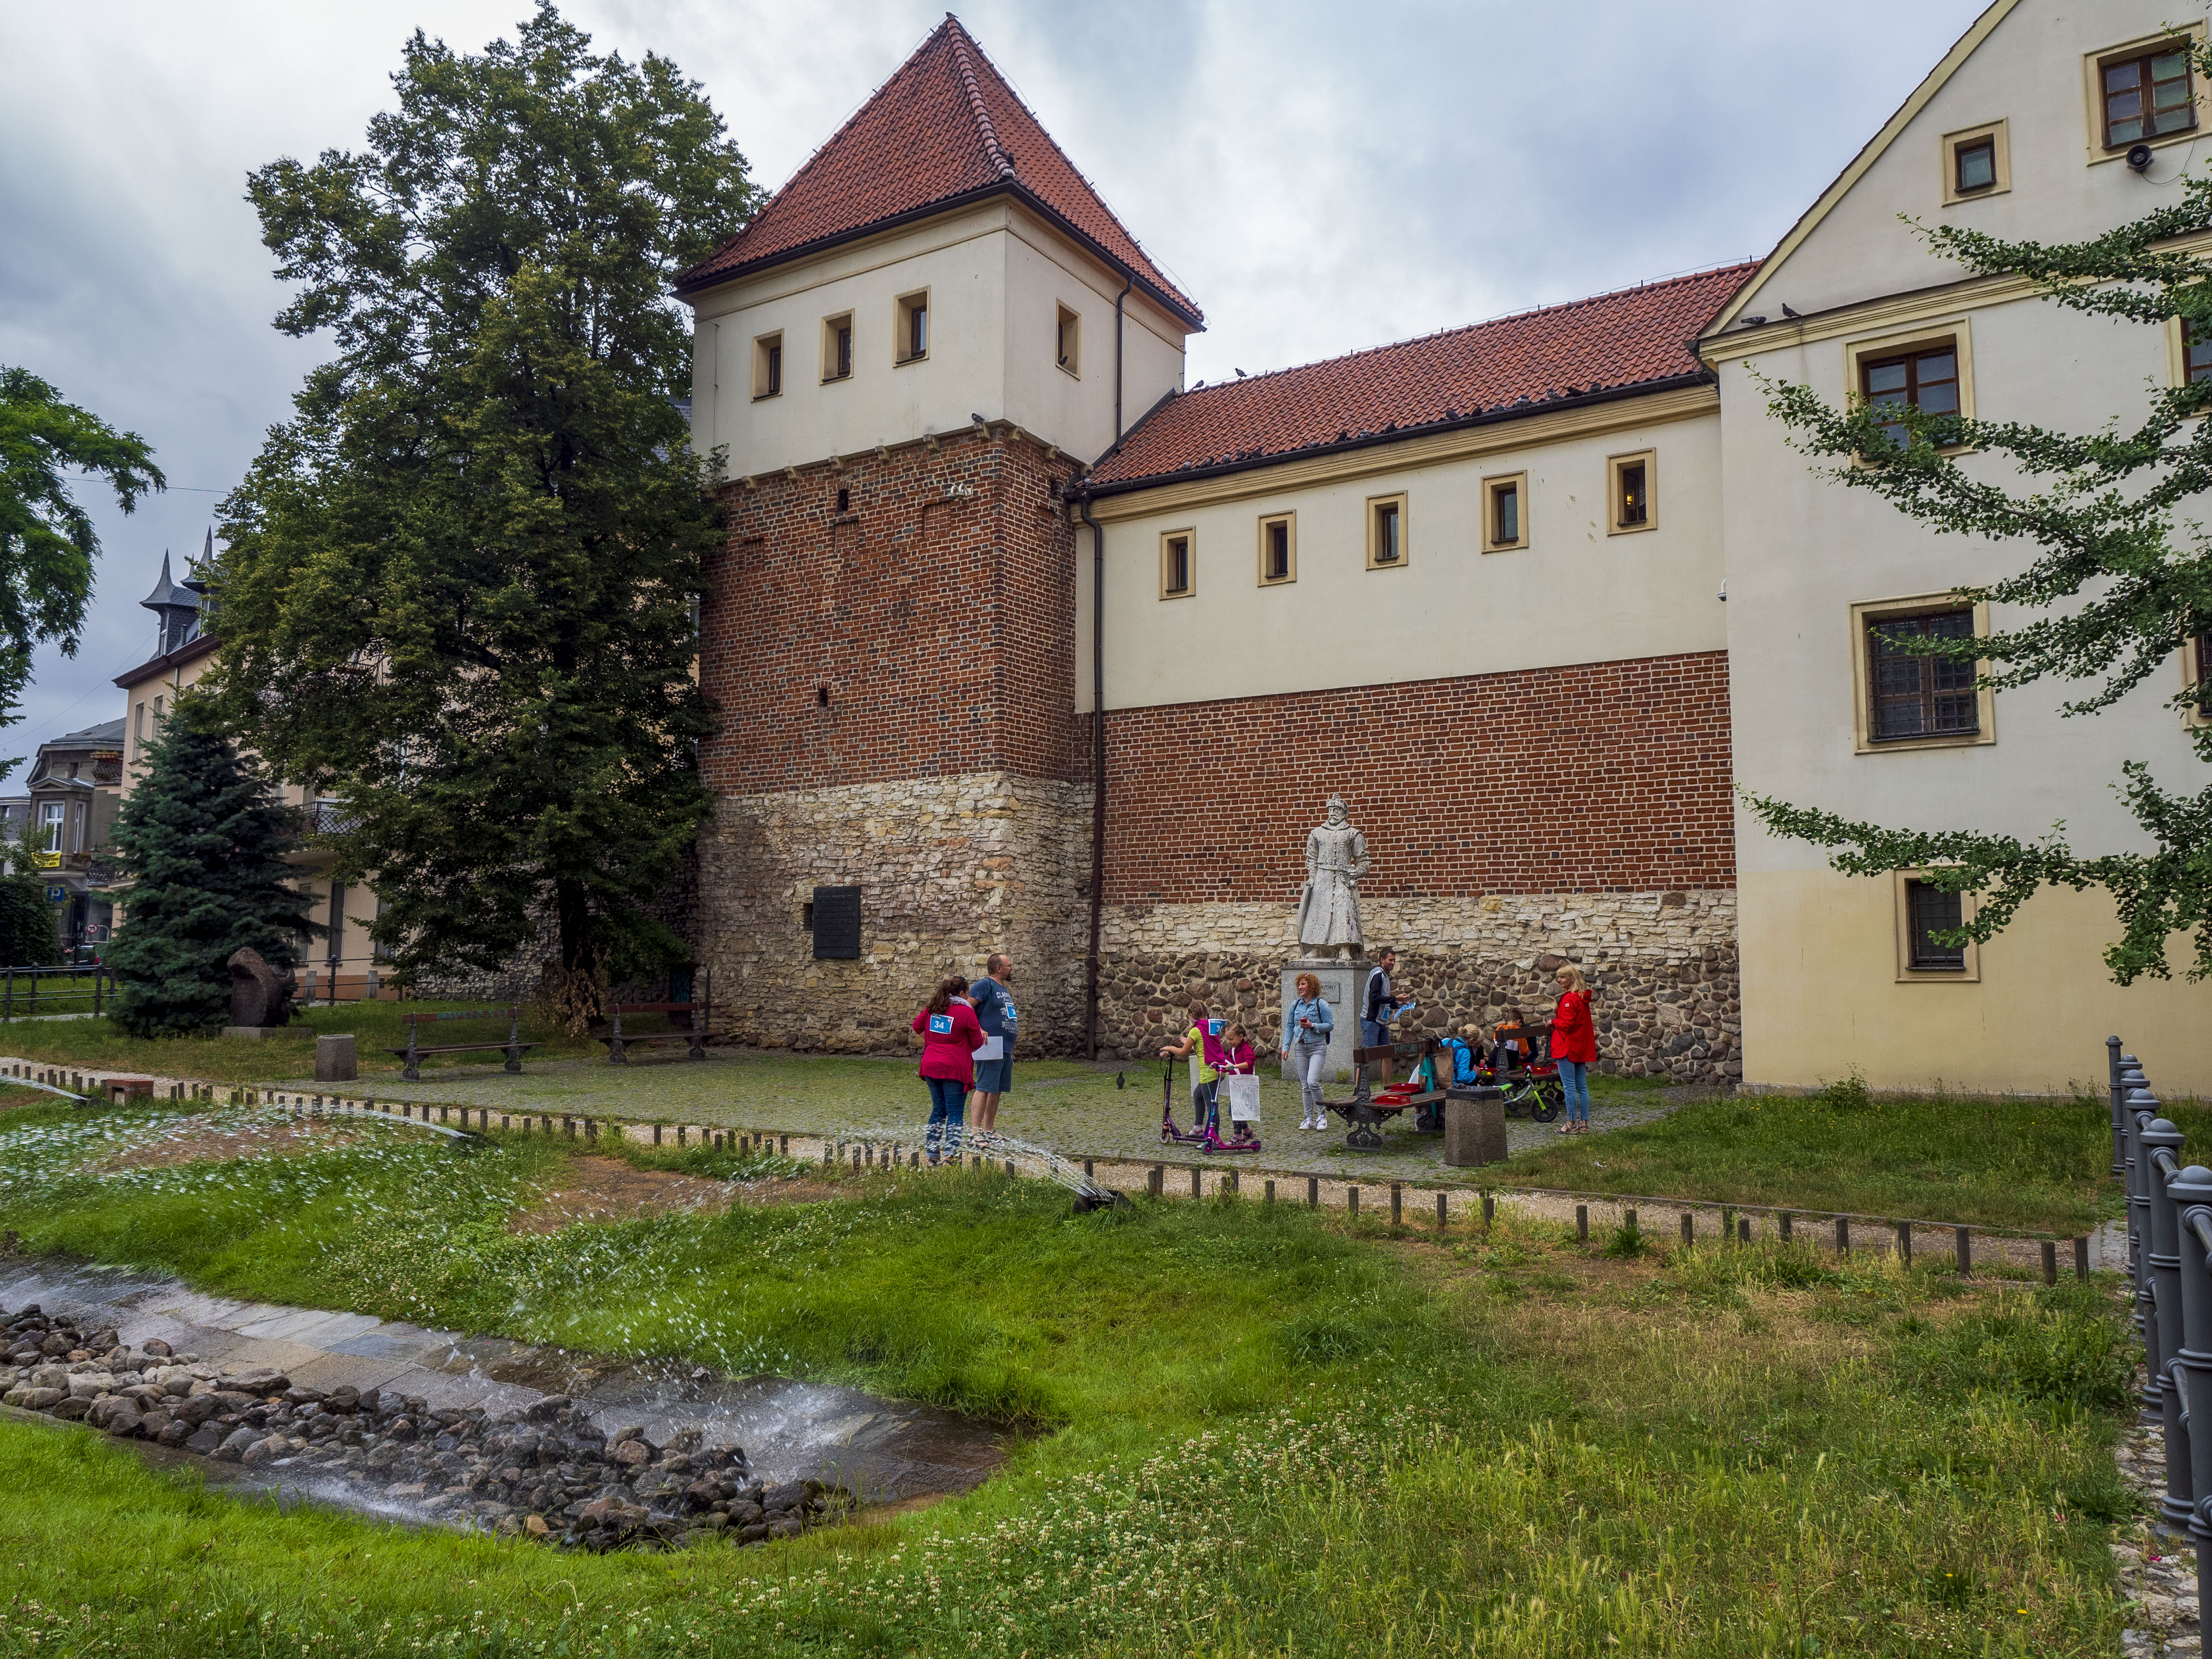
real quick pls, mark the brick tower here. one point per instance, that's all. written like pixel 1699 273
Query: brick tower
pixel 907 355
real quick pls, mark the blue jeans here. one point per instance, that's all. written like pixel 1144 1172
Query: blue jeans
pixel 948 1105
pixel 1574 1077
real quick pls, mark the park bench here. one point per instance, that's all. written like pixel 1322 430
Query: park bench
pixel 694 1035
pixel 1366 1113
pixel 514 1047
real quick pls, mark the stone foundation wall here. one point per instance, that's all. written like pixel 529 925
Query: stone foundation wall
pixel 950 869
pixel 1663 963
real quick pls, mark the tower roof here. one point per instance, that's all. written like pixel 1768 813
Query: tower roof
pixel 166 593
pixel 944 129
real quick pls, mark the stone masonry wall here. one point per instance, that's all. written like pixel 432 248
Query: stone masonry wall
pixel 1663 963
pixel 950 869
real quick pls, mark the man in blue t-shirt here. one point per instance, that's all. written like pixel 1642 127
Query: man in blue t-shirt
pixel 994 1012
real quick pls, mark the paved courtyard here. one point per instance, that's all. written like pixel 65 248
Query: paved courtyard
pixel 1106 1111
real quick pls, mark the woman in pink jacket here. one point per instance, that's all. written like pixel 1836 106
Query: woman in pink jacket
pixel 949 1036
pixel 1574 1046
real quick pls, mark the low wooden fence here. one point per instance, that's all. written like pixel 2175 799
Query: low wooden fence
pixel 2170 1265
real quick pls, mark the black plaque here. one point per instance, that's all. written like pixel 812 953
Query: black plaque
pixel 837 924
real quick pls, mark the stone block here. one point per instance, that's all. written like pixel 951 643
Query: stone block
pixel 1474 1127
pixel 337 1059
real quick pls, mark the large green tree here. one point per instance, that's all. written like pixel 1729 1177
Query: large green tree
pixel 47 543
pixel 2119 579
pixel 202 837
pixel 461 582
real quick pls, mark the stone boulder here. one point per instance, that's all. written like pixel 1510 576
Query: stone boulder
pixel 260 997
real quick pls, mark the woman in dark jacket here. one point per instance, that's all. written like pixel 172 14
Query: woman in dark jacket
pixel 949 1036
pixel 1574 1046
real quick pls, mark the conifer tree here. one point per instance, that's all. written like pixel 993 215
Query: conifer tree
pixel 202 837
pixel 29 935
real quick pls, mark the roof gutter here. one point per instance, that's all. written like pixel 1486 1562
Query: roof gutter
pixel 686 284
pixel 1092 490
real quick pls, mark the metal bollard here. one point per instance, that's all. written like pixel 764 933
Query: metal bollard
pixel 2119 1098
pixel 2141 1115
pixel 2162 1143
pixel 2191 1192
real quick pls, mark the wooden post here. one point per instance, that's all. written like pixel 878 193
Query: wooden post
pixel 1267 1197
pixel 1086 1169
pixel 1155 1179
pixel 1443 1211
pixel 1965 1252
pixel 2081 1257
pixel 1230 1181
pixel 1489 1210
pixel 1689 1228
pixel 1312 1192
pixel 1352 1202
pixel 1195 1178
pixel 1630 1221
pixel 1397 1207
pixel 1843 1235
pixel 1784 1221
pixel 1905 1243
pixel 1744 1230
pixel 1582 1222
pixel 2050 1261
pixel 1728 1224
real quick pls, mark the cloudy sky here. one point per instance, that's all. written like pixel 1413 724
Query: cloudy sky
pixel 1320 177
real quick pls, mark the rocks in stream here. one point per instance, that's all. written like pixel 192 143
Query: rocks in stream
pixel 549 1473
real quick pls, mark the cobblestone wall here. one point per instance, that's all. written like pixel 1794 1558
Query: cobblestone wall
pixel 1664 964
pixel 950 870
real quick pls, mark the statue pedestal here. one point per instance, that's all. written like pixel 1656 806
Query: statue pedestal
pixel 1340 978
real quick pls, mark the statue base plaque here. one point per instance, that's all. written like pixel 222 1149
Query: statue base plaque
pixel 1340 978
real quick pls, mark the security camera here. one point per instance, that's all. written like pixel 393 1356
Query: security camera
pixel 2139 157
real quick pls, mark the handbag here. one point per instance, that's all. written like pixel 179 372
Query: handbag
pixel 1243 1099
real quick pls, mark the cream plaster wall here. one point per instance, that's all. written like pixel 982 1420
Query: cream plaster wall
pixel 1574 594
pixel 995 277
pixel 1820 999
pixel 2028 72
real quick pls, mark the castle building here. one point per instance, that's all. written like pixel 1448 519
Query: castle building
pixel 1021 643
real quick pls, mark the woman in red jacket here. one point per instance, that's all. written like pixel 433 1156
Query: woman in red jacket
pixel 949 1036
pixel 1574 1046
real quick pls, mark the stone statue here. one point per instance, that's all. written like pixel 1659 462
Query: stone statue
pixel 260 997
pixel 1329 904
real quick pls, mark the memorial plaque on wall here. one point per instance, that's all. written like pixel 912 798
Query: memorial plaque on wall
pixel 837 924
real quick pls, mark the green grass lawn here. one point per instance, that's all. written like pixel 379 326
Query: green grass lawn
pixel 100 1044
pixel 1251 1429
pixel 2031 1164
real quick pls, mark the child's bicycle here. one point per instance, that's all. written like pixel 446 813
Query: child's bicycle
pixel 1533 1087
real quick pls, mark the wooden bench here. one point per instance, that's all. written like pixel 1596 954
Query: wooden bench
pixel 514 1047
pixel 694 1036
pixel 1365 1114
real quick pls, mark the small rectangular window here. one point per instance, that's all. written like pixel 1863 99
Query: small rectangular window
pixel 1177 574
pixel 1632 478
pixel 1387 547
pixel 138 725
pixel 1279 548
pixel 1920 697
pixel 913 320
pixel 837 347
pixel 1068 346
pixel 2148 96
pixel 2196 352
pixel 1974 166
pixel 1929 911
pixel 768 367
pixel 1925 379
pixel 834 919
pixel 1504 512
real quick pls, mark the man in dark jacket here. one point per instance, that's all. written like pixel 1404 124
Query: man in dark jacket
pixel 1379 1006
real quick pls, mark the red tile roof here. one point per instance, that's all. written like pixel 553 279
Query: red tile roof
pixel 946 127
pixel 1606 346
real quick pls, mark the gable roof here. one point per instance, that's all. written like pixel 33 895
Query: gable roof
pixel 1612 345
pixel 1961 49
pixel 945 129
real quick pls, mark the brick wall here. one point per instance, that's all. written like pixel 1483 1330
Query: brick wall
pixel 1602 777
pixel 935 615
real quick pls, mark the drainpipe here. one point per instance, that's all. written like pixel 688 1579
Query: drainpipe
pixel 1127 283
pixel 1097 776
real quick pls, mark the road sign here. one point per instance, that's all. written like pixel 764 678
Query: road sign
pixel 57 895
